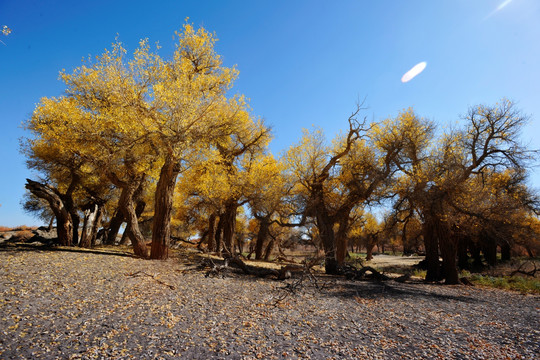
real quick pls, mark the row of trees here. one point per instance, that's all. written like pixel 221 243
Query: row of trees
pixel 144 140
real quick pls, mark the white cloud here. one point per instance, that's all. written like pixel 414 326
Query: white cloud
pixel 415 70
pixel 499 8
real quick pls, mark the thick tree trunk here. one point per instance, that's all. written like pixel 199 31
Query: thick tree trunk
pixel 124 239
pixel 370 245
pixel 505 251
pixel 219 235
pixel 75 219
pixel 262 235
pixel 132 229
pixel 463 257
pixel 489 248
pixel 64 224
pixel 211 234
pixel 448 254
pixel 161 229
pixel 326 232
pixel 407 248
pixel 114 227
pixel 95 226
pixel 431 243
pixel 269 249
pixel 90 217
pixel 229 224
pixel 118 218
pixel 342 239
pixel 474 248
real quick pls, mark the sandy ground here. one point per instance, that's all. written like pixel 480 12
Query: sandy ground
pixel 69 305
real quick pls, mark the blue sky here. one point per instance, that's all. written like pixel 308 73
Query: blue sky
pixel 301 63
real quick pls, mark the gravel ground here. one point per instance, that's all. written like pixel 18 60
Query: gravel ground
pixel 69 305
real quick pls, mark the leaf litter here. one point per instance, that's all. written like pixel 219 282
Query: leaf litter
pixel 93 306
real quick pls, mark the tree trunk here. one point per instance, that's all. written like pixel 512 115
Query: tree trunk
pixel 64 224
pixel 229 224
pixel 370 245
pixel 75 219
pixel 431 243
pixel 114 227
pixel 505 251
pixel 95 226
pixel 219 235
pixel 448 254
pixel 90 215
pixel 211 234
pixel 269 249
pixel 132 229
pixel 342 239
pixel 161 229
pixel 474 248
pixel 262 235
pixel 124 239
pixel 463 257
pixel 489 248
pixel 326 232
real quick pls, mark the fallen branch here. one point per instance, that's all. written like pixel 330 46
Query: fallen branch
pixel 142 273
pixel 523 272
pixel 352 273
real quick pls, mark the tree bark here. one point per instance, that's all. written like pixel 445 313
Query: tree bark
pixel 326 232
pixel 64 223
pixel 161 229
pixel 463 257
pixel 370 245
pixel 448 253
pixel 342 239
pixel 505 251
pixel 127 207
pixel 219 235
pixel 95 226
pixel 431 243
pixel 229 224
pixel 269 249
pixel 211 234
pixel 262 235
pixel 114 227
pixel 90 217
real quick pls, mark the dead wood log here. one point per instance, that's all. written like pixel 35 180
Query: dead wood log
pixel 519 270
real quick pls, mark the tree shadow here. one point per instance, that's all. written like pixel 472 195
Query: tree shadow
pixel 371 290
pixel 25 247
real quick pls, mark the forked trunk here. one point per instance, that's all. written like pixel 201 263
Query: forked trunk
pixel 132 229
